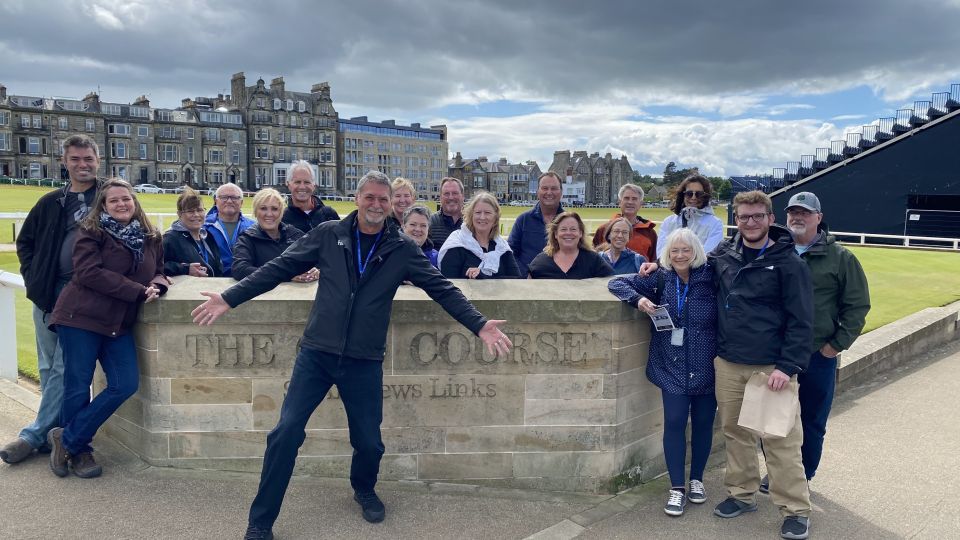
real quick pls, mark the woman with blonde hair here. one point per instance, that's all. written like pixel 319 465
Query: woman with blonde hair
pixel 404 195
pixel 476 250
pixel 265 240
pixel 117 265
pixel 680 361
pixel 568 254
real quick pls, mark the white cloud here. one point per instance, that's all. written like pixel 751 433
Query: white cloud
pixel 778 110
pixel 718 147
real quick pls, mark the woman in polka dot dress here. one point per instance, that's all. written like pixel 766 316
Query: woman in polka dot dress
pixel 680 362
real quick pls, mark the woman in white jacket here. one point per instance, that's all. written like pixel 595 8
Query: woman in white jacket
pixel 692 210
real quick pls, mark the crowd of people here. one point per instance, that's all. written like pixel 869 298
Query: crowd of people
pixel 781 300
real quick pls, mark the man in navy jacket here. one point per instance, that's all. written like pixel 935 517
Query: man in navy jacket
pixel 529 233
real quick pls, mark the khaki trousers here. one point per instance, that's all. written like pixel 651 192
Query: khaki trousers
pixel 788 484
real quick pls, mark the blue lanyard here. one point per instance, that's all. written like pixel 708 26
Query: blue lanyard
pixel 764 248
pixel 681 299
pixel 362 265
pixel 203 252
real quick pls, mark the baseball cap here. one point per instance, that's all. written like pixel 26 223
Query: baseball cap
pixel 805 199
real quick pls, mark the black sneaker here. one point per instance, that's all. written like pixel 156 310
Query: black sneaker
pixel 373 509
pixel 731 508
pixel 697 494
pixel 795 528
pixel 257 533
pixel 58 454
pixel 675 503
pixel 765 484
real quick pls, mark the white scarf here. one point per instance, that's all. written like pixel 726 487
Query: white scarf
pixel 696 220
pixel 489 262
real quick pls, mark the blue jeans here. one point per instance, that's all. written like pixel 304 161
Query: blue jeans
pixel 817 385
pixel 360 383
pixel 676 409
pixel 81 417
pixel 50 366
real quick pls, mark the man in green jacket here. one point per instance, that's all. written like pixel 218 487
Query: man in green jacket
pixel 841 301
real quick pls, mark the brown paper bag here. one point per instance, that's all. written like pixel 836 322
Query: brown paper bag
pixel 765 412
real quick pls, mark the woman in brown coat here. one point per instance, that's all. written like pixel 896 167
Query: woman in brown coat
pixel 117 265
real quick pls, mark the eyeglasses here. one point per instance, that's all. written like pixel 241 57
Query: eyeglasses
pixel 754 217
pixel 233 198
pixel 194 211
pixel 696 194
pixel 799 212
pixel 619 233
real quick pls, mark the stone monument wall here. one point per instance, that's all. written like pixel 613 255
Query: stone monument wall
pixel 568 409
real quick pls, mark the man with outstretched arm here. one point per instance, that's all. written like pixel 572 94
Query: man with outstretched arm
pixel 362 262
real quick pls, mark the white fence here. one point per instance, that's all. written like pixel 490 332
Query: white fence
pixel 9 282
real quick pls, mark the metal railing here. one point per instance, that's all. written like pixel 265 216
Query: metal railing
pixel 9 283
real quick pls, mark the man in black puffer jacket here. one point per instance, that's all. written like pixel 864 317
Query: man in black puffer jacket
pixel 361 264
pixel 765 323
pixel 305 210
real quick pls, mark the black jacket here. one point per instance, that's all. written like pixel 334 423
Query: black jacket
pixel 38 247
pixel 350 316
pixel 255 248
pixel 765 308
pixel 179 250
pixel 440 230
pixel 299 219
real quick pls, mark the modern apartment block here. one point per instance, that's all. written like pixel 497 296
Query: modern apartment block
pixel 591 179
pixel 413 152
pixel 506 181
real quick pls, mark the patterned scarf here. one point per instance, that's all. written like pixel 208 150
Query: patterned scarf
pixel 130 235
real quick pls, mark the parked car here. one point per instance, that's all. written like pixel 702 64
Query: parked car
pixel 147 188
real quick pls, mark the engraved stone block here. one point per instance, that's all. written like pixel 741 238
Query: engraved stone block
pixel 465 466
pixel 567 386
pixel 211 390
pixel 523 439
pixel 570 412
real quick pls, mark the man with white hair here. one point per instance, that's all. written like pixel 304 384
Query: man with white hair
pixel 644 238
pixel 225 223
pixel 304 209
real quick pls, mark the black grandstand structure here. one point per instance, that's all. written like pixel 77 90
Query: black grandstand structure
pixel 897 176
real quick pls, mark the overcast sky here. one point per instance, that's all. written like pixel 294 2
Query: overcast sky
pixel 733 87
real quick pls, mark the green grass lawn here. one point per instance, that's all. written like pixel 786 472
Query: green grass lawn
pixel 26 341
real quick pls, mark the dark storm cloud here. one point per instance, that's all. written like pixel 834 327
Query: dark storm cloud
pixel 416 54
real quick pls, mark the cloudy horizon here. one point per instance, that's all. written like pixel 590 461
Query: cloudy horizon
pixel 734 88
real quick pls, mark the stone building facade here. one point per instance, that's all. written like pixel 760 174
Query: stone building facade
pixel 506 181
pixel 284 126
pixel 601 176
pixel 413 152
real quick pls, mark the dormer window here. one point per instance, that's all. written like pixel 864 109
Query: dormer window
pixel 276 104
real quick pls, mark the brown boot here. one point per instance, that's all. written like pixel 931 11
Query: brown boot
pixel 16 451
pixel 84 466
pixel 58 454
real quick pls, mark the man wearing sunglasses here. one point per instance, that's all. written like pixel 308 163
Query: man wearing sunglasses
pixel 225 223
pixel 765 323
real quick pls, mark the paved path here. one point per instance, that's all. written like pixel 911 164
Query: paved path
pixel 888 472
